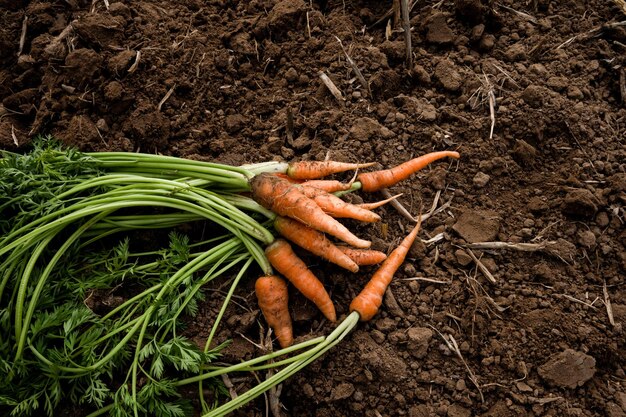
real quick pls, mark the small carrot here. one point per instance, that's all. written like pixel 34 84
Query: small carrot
pixel 310 170
pixel 288 200
pixel 336 207
pixel 271 292
pixel 285 261
pixel 363 256
pixel 288 178
pixel 370 298
pixel 374 181
pixel 330 186
pixel 372 206
pixel 313 241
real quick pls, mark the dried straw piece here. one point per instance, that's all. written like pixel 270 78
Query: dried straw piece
pixel 331 87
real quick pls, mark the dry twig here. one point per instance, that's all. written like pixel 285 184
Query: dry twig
pixel 454 347
pixel 133 67
pixel 355 68
pixel 481 266
pixel 517 12
pixel 597 31
pixel 165 97
pixel 23 35
pixel 431 280
pixel 405 213
pixel 331 87
pixel 524 247
pixel 607 303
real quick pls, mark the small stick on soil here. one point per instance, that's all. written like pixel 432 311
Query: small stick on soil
pixel 434 281
pixel 14 136
pixel 308 25
pixel 355 68
pixel 332 87
pixel 576 300
pixel 165 97
pixel 406 25
pixel 434 239
pixel 591 33
pixel 23 35
pixel 228 384
pixel 106 4
pixel 524 247
pixel 454 347
pixel 133 67
pixel 520 14
pixel 607 303
pixel 405 213
pixel 492 109
pixel 289 126
pixel 481 266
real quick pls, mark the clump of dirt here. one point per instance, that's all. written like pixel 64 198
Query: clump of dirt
pixel 214 81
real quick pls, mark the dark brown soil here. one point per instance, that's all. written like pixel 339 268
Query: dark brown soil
pixel 539 340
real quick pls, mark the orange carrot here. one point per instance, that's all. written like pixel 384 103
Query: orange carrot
pixel 271 292
pixel 374 181
pixel 310 170
pixel 288 200
pixel 285 261
pixel 288 178
pixel 372 206
pixel 369 300
pixel 336 207
pixel 313 241
pixel 364 256
pixel 330 186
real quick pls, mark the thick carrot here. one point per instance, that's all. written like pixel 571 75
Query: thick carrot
pixel 285 261
pixel 369 300
pixel 330 186
pixel 288 200
pixel 313 241
pixel 363 256
pixel 374 181
pixel 372 206
pixel 311 170
pixel 271 292
pixel 336 207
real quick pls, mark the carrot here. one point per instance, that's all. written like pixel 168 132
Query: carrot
pixel 309 170
pixel 330 186
pixel 374 181
pixel 285 261
pixel 271 292
pixel 336 207
pixel 363 256
pixel 369 300
pixel 288 200
pixel 288 178
pixel 372 206
pixel 313 241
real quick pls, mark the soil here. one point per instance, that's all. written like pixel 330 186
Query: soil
pixel 215 80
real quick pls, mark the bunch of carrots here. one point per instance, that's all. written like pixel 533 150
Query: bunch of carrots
pixel 306 210
pixel 56 205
